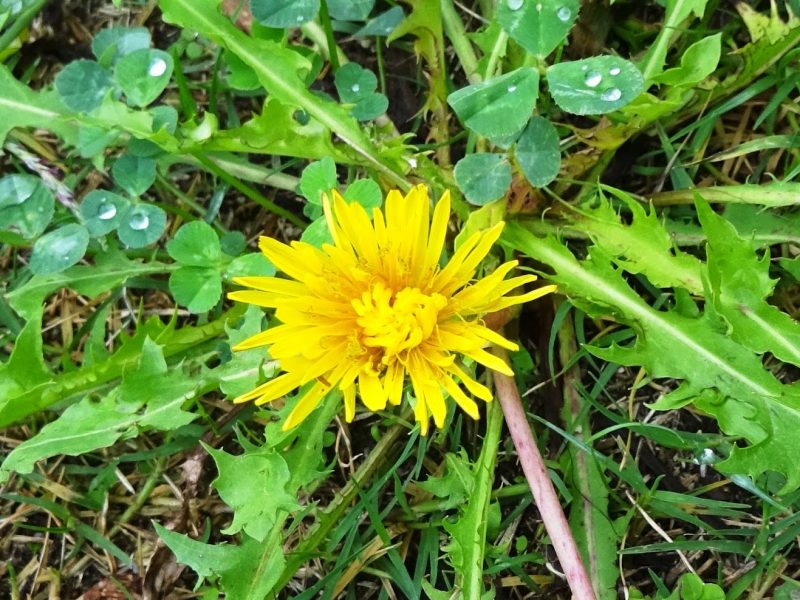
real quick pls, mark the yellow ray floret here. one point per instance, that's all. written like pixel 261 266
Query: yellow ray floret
pixel 374 310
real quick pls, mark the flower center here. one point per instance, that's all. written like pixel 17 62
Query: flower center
pixel 396 322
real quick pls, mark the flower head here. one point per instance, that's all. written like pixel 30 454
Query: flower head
pixel 375 306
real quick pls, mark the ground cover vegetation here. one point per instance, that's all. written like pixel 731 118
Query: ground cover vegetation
pixel 595 197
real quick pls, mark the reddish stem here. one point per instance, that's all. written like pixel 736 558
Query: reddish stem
pixel 539 481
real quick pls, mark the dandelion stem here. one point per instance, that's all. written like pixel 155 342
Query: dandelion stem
pixel 542 488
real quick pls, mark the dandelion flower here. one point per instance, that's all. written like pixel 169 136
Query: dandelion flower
pixel 375 307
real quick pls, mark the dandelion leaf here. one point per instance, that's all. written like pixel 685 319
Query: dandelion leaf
pixel 253 484
pixel 748 403
pixel 644 246
pixel 739 284
pixel 246 571
pixel 150 397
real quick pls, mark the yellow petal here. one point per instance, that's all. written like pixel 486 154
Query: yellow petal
pixel 349 394
pixel 275 388
pixel 305 406
pixel 373 394
pixel 466 403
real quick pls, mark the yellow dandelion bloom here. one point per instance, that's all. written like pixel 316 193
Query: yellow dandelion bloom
pixel 363 313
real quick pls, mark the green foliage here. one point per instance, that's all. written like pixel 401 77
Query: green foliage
pixel 230 130
pixel 538 26
pixel 357 86
pixel 143 75
pixel 538 152
pixel 720 376
pixel 150 396
pixel 83 84
pixel 594 86
pixel 102 211
pixel 26 205
pixel 141 225
pixel 284 13
pixel 246 571
pixel 59 249
pixel 483 177
pixel 242 483
pixel 498 108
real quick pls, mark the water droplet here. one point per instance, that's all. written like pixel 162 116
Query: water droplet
pixel 514 4
pixel 611 95
pixel 538 7
pixel 512 88
pixel 563 13
pixel 614 71
pixel 139 221
pixel 300 18
pixel 593 79
pixel 157 67
pixel 356 88
pixel 106 211
pixel 584 67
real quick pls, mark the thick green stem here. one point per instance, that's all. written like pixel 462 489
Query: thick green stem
pixel 457 34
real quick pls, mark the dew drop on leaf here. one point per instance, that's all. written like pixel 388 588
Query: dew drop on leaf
pixel 614 71
pixel 563 14
pixel 611 95
pixel 139 222
pixel 512 88
pixel 356 88
pixel 538 7
pixel 300 18
pixel 593 79
pixel 515 4
pixel 157 67
pixel 106 211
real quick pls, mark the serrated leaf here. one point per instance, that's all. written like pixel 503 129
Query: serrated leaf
pixel 242 372
pixel 538 26
pixel 498 108
pixel 746 399
pixel 241 484
pixel 196 244
pixel 143 75
pixel 641 246
pixel 22 107
pixel 483 177
pixel 284 13
pixel 102 211
pixel 538 152
pixel 283 76
pixel 740 284
pixel 150 396
pixel 246 571
pixel 594 86
pixel 83 84
pixel 59 249
pixel 196 288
